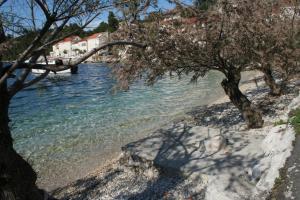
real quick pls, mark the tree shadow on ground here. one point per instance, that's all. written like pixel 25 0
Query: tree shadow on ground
pixel 181 157
pixel 227 115
pixel 83 187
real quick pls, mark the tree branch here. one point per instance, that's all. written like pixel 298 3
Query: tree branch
pixel 44 9
pixel 2 2
pixel 14 90
pixel 115 43
pixel 57 68
pixel 27 51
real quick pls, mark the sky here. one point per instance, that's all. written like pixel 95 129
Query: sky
pixel 163 4
pixel 19 6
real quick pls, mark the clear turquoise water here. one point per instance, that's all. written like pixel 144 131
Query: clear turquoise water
pixel 68 125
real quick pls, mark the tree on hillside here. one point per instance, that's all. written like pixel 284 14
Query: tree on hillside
pixel 204 4
pixel 134 9
pixel 21 43
pixel 113 22
pixel 73 27
pixel 103 26
pixel 17 178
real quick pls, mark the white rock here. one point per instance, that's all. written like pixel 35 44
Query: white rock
pixel 151 173
pixel 214 144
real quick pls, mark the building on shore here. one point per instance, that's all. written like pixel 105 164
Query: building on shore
pixel 73 47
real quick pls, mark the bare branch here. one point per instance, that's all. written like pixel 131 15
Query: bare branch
pixel 2 2
pixel 58 67
pixel 110 44
pixel 23 56
pixel 14 89
pixel 44 8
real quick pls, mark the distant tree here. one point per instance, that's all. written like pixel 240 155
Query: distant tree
pixel 103 27
pixel 113 22
pixel 21 43
pixel 73 27
pixel 204 4
pixel 133 10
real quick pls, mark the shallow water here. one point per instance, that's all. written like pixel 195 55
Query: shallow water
pixel 68 125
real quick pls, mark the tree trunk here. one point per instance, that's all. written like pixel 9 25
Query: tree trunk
pixel 17 178
pixel 276 89
pixel 252 117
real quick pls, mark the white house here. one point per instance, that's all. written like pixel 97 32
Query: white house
pixel 64 47
pixel 79 48
pixel 74 46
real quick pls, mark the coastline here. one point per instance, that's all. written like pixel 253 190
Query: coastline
pixel 245 84
pixel 120 165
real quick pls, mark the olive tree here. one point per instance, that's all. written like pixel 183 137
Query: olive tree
pixel 180 48
pixel 48 18
pixel 268 30
pixel 230 37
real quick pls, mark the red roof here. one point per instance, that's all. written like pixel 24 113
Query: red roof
pixel 68 39
pixel 72 38
pixel 95 35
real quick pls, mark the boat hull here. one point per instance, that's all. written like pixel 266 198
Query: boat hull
pixel 41 71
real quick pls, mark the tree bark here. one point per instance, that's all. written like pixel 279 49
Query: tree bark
pixel 230 85
pixel 17 178
pixel 276 89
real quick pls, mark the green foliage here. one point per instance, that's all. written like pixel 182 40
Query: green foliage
pixel 20 44
pixel 113 23
pixel 295 119
pixel 280 122
pixel 204 4
pixel 103 27
pixel 298 40
pixel 280 183
pixel 73 27
pixel 187 13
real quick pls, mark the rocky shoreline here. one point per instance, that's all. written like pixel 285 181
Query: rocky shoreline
pixel 208 155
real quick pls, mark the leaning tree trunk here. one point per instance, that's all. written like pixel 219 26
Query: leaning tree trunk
pixel 252 117
pixel 276 89
pixel 17 178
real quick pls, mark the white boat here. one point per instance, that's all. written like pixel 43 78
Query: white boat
pixel 41 71
pixel 52 62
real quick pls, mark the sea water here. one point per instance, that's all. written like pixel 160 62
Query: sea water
pixel 68 125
